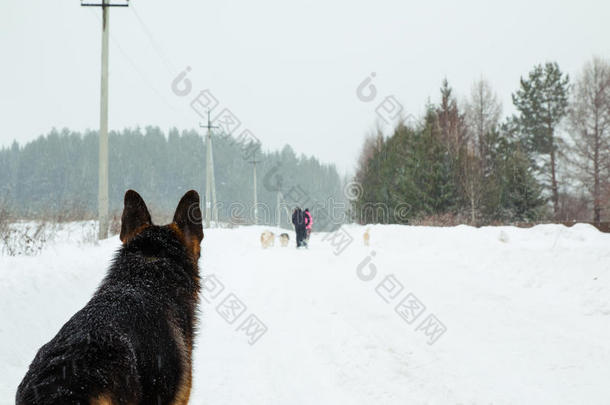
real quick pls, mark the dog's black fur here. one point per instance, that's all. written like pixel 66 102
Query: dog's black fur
pixel 132 343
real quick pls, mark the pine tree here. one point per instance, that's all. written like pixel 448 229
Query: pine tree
pixel 542 102
pixel 451 121
pixel 522 193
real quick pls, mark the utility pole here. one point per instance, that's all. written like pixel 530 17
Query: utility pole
pixel 210 184
pixel 280 199
pixel 213 184
pixel 278 210
pixel 254 162
pixel 102 193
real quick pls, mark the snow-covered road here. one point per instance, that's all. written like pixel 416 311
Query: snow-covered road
pixel 421 316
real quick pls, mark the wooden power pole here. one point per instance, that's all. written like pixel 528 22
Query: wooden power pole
pixel 102 195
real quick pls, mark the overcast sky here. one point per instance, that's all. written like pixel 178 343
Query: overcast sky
pixel 288 70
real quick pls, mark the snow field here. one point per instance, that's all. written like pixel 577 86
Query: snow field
pixel 525 312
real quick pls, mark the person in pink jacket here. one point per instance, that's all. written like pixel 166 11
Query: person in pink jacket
pixel 309 223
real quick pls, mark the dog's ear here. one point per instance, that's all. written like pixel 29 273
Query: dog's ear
pixel 135 216
pixel 188 217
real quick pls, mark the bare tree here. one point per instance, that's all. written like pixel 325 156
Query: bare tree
pixel 482 117
pixel 371 145
pixel 483 112
pixel 590 130
pixel 471 181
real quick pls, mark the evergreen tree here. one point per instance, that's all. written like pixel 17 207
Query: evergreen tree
pixel 522 193
pixel 542 101
pixel 512 192
pixel 452 122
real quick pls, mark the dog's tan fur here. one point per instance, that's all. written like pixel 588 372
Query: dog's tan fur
pixel 101 400
pixel 185 348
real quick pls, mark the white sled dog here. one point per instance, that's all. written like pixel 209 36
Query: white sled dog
pixel 284 239
pixel 267 239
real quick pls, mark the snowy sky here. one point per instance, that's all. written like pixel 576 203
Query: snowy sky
pixel 288 70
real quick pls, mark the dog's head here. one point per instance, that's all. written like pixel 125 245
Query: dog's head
pixel 186 225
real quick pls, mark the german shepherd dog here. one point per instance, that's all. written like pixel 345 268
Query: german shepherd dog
pixel 133 342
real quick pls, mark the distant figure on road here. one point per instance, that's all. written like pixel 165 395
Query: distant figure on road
pixel 309 219
pixel 300 223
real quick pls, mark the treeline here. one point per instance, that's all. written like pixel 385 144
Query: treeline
pixel 462 163
pixel 57 175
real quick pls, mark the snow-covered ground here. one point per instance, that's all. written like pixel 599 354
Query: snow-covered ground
pixel 421 316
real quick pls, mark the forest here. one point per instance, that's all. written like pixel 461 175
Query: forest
pixel 463 163
pixel 56 176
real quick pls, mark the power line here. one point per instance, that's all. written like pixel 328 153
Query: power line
pixel 139 71
pixel 155 45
